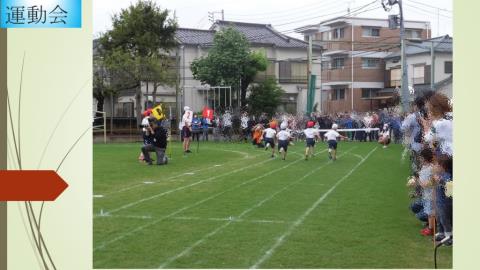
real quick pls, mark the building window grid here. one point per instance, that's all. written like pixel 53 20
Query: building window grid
pixel 371 32
pixel 338 94
pixel 338 33
pixel 448 66
pixel 370 63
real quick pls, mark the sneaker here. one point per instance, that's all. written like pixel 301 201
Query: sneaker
pixel 329 155
pixel 384 146
pixel 439 237
pixel 267 146
pixel 426 232
pixel 281 150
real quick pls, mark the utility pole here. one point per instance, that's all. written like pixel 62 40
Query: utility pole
pixel 309 73
pixel 177 87
pixel 211 15
pixel 405 95
pixel 432 66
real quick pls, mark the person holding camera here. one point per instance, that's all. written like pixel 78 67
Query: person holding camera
pixel 157 143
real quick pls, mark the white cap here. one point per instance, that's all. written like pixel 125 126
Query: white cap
pixel 186 108
pixel 283 126
pixel 334 126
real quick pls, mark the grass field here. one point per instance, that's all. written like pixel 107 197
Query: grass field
pixel 232 206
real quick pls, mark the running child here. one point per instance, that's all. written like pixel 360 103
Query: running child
pixel 269 137
pixel 331 137
pixel 311 135
pixel 283 140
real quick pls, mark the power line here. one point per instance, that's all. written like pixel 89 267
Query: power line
pixel 430 6
pixel 275 12
pixel 427 12
pixel 316 17
pixel 284 17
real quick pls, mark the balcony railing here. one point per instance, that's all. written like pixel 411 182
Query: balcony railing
pixel 293 79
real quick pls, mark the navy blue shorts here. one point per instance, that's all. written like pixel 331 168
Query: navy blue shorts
pixel 310 142
pixel 270 141
pixel 283 144
pixel 332 144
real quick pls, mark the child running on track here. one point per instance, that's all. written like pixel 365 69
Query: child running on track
pixel 311 135
pixel 283 140
pixel 331 137
pixel 269 135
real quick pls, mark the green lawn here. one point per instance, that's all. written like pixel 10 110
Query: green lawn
pixel 232 206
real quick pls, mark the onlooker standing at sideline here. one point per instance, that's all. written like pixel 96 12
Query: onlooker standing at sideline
pixel 244 125
pixel 196 127
pixel 157 143
pixel 205 125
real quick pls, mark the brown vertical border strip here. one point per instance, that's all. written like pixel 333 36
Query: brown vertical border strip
pixel 3 143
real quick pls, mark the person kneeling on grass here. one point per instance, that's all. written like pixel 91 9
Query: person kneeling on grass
pixel 331 137
pixel 311 134
pixel 283 140
pixel 158 144
pixel 269 135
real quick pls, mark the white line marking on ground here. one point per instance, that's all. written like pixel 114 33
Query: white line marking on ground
pixel 233 219
pixel 128 205
pixel 98 196
pixel 189 173
pixel 212 233
pixel 148 183
pixel 246 156
pixel 120 237
pixel 198 218
pixel 300 220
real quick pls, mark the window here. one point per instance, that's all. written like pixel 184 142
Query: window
pixel 369 92
pixel 448 67
pixel 338 93
pixel 338 63
pixel 338 33
pixel 413 34
pixel 292 72
pixel 419 74
pixel 395 77
pixel 370 63
pixel 371 32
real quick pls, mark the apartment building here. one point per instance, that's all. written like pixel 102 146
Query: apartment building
pixel 353 63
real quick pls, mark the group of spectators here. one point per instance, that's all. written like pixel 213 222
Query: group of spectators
pixel 428 137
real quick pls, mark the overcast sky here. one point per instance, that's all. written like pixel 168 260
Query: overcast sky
pixel 284 15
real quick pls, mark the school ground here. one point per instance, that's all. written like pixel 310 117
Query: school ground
pixel 229 205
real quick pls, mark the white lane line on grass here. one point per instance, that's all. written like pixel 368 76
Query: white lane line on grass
pixel 120 237
pixel 246 156
pixel 230 221
pixel 199 218
pixel 300 220
pixel 158 195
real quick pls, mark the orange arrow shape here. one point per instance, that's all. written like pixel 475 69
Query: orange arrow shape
pixel 30 185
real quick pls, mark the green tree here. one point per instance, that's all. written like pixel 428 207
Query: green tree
pixel 265 97
pixel 229 62
pixel 137 48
